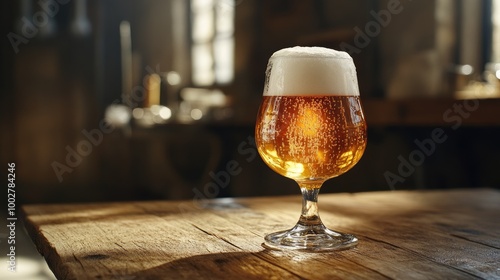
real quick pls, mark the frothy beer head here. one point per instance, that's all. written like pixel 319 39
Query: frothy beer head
pixel 311 71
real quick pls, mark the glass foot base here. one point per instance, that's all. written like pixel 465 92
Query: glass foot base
pixel 313 239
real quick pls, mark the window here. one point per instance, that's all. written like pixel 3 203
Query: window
pixel 496 31
pixel 212 36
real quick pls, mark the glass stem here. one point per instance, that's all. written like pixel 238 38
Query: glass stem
pixel 310 215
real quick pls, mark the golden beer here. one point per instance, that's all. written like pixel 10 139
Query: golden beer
pixel 310 128
pixel 311 137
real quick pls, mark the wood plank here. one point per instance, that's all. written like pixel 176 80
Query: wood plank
pixel 403 235
pixel 413 222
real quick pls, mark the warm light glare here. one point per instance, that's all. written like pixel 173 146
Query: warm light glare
pixel 118 115
pixel 138 113
pixel 466 69
pixel 346 159
pixel 165 113
pixel 196 114
pixel 173 78
pixel 293 168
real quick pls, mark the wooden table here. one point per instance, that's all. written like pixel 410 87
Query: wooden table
pixel 452 234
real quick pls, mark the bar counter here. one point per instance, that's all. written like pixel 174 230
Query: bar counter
pixel 431 234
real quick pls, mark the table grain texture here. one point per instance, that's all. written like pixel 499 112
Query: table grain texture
pixel 438 234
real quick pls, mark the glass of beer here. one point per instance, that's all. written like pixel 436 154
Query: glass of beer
pixel 310 128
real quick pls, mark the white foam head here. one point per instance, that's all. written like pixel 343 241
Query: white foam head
pixel 311 71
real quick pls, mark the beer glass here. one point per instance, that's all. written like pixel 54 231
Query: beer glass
pixel 310 128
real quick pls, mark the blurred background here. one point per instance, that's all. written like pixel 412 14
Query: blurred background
pixel 134 100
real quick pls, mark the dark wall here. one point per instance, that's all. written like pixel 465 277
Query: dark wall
pixel 55 89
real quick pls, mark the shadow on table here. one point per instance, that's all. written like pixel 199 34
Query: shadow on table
pixel 265 264
pixel 218 266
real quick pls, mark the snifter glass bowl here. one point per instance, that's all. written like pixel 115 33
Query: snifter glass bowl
pixel 310 128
